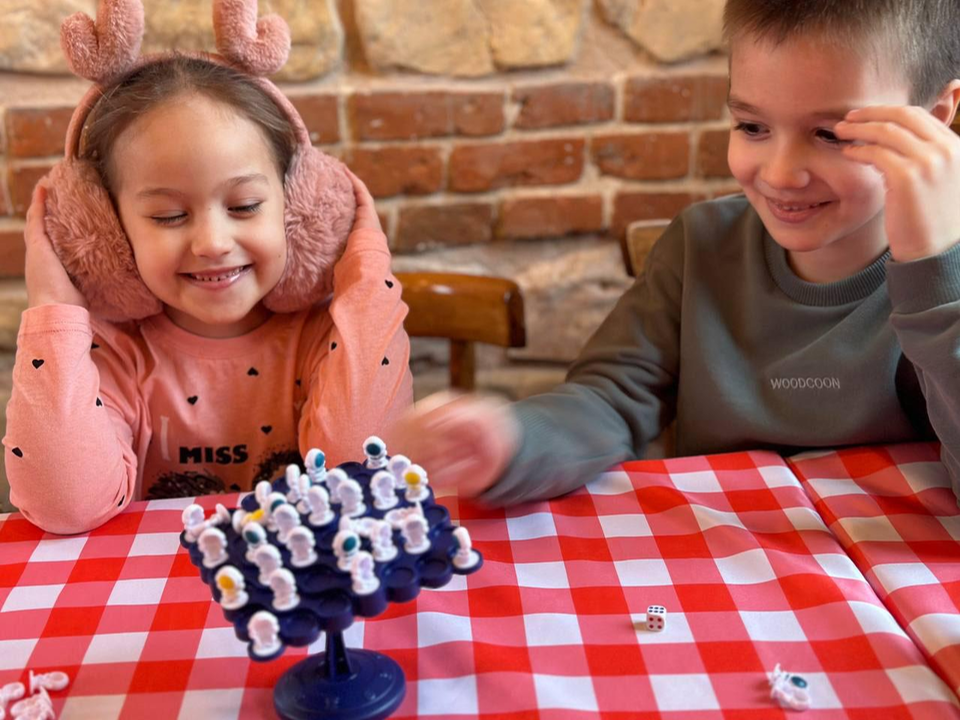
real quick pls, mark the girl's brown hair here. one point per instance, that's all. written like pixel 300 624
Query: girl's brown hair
pixel 163 80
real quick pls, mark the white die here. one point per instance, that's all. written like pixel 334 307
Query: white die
pixel 656 618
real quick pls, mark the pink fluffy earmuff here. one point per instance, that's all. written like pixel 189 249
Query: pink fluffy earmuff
pixel 319 202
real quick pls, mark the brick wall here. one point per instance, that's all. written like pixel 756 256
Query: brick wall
pixel 461 165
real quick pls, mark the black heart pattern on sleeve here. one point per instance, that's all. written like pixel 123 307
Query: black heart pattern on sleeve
pixel 18 452
pixel 266 429
pixel 252 372
pixel 384 362
pixel 389 283
pixel 192 399
pixel 99 403
pixel 37 363
pixel 333 346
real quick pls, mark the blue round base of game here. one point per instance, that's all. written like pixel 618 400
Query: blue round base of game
pixel 373 690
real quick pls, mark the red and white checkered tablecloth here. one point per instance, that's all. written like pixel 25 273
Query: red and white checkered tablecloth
pixel 896 516
pixel 550 628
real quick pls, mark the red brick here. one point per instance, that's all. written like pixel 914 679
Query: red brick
pixel 563 104
pixel 477 168
pixel 674 99
pixel 11 253
pixel 320 115
pixel 630 206
pixel 397 170
pixel 422 228
pixel 414 115
pixel 550 216
pixel 712 153
pixel 36 132
pixel 20 180
pixel 5 206
pixel 647 156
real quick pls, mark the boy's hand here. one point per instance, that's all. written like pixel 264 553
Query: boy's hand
pixel 464 442
pixel 47 281
pixel 367 218
pixel 919 157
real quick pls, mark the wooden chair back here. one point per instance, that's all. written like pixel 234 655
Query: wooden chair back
pixel 465 309
pixel 639 240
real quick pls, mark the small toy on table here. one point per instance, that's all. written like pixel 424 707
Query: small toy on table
pixel 293 562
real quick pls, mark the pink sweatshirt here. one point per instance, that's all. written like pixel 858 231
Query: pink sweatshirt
pixel 102 414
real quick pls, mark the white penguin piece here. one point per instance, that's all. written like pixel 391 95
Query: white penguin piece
pixel 301 542
pixel 238 520
pixel 397 465
pixel 267 559
pixel 381 539
pixel 376 451
pixel 284 586
pixel 346 544
pixel 416 481
pixel 398 516
pixel 414 531
pixel 351 497
pixel 255 536
pixel 35 707
pixel 304 487
pixel 292 476
pixel 221 516
pixel 465 557
pixel 193 522
pixel 261 492
pixel 264 632
pixel 316 465
pixel 54 680
pixel 334 478
pixel 286 518
pixel 213 544
pixel 319 502
pixel 383 489
pixel 365 580
pixel 233 594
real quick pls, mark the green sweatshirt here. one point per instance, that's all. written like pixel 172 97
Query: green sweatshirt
pixel 721 334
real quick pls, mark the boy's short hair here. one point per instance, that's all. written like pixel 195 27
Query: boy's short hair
pixel 921 36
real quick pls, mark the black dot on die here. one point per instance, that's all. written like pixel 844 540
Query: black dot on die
pixel 252 372
pixel 37 363
pixel 99 402
pixel 18 452
pixel 389 283
pixel 192 399
pixel 384 362
pixel 333 346
pixel 266 429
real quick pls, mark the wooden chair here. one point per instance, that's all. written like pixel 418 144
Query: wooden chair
pixel 639 239
pixel 466 309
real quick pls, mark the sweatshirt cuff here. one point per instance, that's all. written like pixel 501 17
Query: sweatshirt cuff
pixel 925 284
pixel 55 318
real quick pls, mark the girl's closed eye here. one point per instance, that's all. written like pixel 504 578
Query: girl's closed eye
pixel 830 137
pixel 248 209
pixel 749 129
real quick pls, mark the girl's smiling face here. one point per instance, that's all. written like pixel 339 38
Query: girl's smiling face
pixel 825 210
pixel 200 197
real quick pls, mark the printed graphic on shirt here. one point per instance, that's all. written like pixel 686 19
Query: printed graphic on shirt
pixel 805 383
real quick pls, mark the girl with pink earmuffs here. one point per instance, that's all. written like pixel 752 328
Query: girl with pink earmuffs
pixel 209 295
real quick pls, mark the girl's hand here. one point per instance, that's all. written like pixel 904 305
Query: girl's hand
pixel 464 442
pixel 367 218
pixel 919 157
pixel 47 281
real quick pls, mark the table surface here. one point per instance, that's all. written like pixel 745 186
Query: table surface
pixel 842 567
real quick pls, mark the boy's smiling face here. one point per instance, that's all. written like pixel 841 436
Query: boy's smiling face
pixel 785 99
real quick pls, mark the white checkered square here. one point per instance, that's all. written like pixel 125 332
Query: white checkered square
pixel 839 566
pixel 875 619
pixel 833 487
pixel 704 481
pixel 615 482
pixel 15 654
pixel 625 526
pixel 457 583
pixel 773 626
pixel 115 648
pixel 865 529
pixel 534 525
pixel 921 476
pixel 642 573
pixel 170 503
pixel 776 476
pixel 918 683
pixel 565 693
pixel 893 576
pixel 58 549
pixel 937 630
pixel 548 629
pixel 709 518
pixel 804 518
pixel 32 597
pixel 437 628
pixel 211 704
pixel 221 643
pixel 142 591
pixel 154 544
pixel 542 575
pixel 93 707
pixel 746 568
pixel 684 692
pixel 446 697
